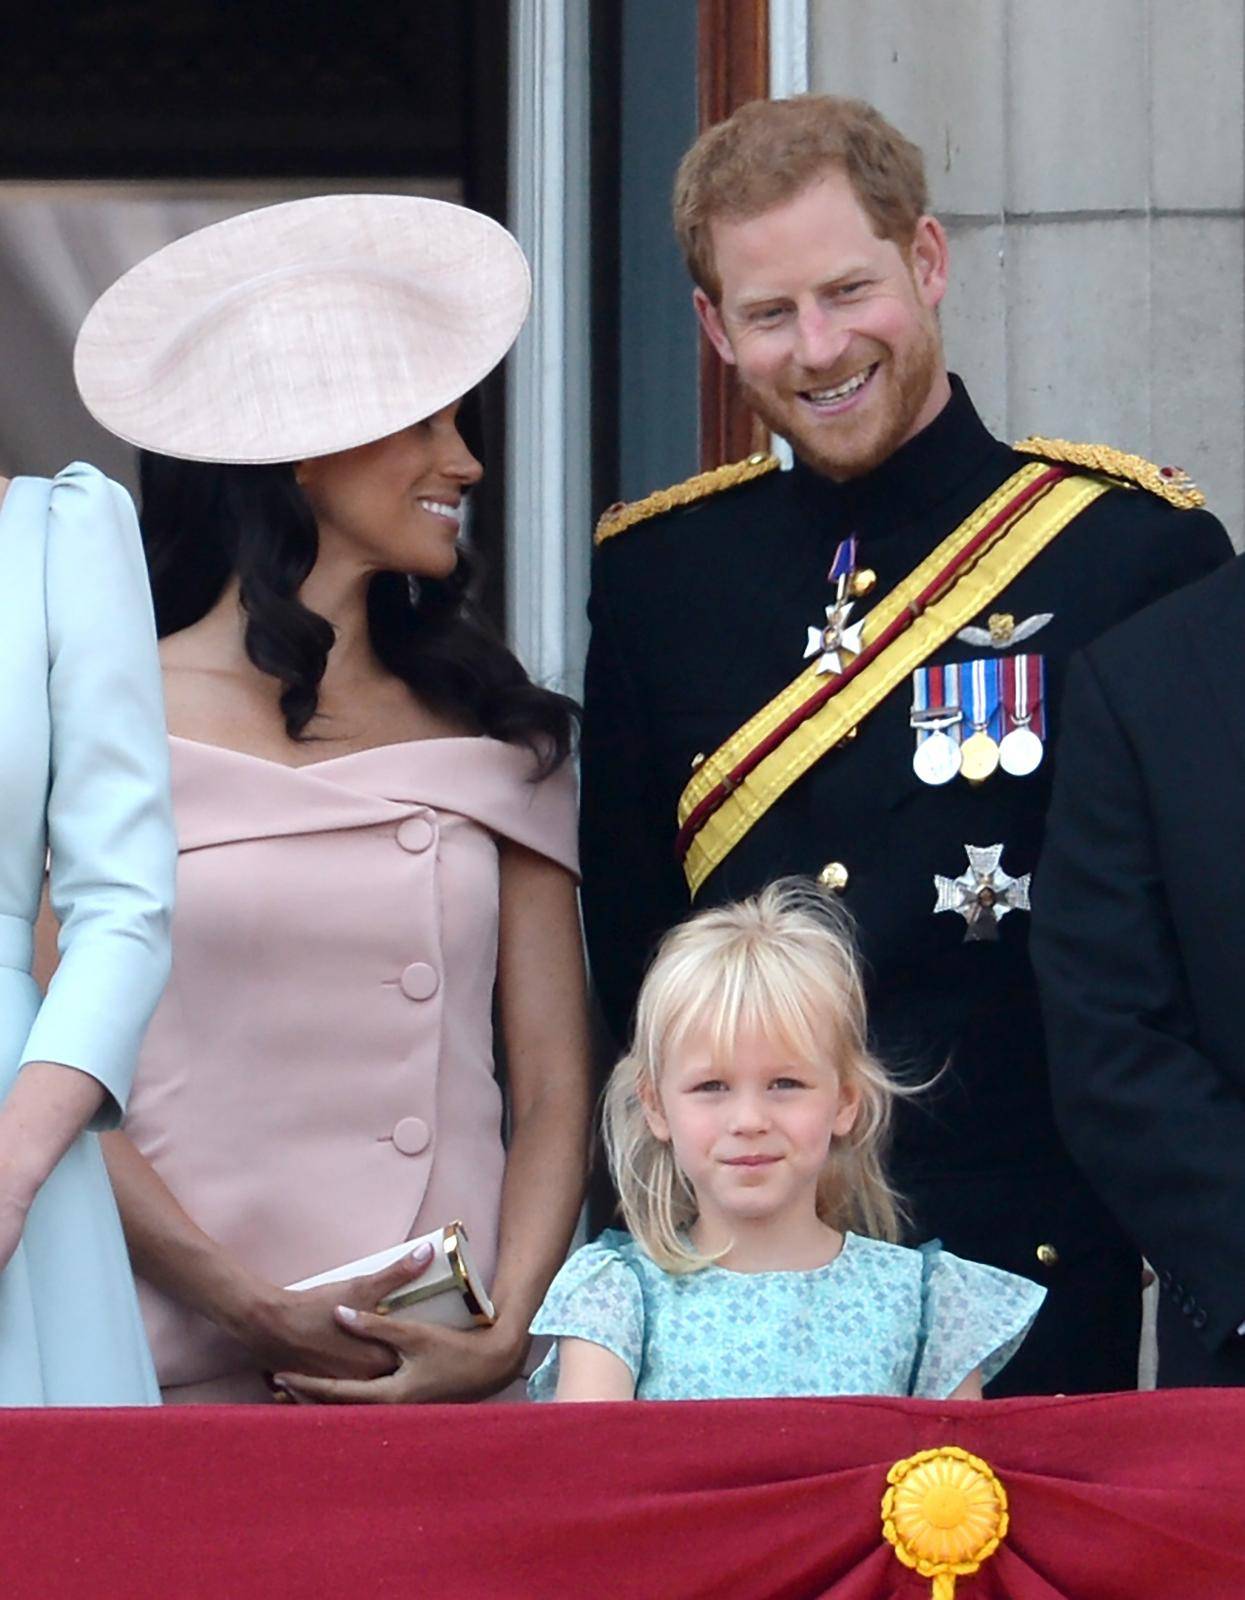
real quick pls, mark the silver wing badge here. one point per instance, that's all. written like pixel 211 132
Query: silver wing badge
pixel 1003 631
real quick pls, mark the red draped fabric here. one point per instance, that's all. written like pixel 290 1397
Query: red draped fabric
pixel 1117 1497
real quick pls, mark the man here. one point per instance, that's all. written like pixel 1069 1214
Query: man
pixel 853 669
pixel 742 724
pixel 1138 948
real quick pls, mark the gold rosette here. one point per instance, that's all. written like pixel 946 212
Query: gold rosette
pixel 945 1513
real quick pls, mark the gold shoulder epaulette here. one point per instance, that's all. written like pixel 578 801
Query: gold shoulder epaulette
pixel 627 513
pixel 1170 483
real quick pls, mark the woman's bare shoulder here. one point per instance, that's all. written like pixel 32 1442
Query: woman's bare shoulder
pixel 205 697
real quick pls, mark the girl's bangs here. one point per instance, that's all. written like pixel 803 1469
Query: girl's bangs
pixel 749 988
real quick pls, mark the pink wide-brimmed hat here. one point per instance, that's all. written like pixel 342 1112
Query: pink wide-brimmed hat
pixel 303 328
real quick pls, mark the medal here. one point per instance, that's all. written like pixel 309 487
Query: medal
pixel 1021 748
pixel 979 753
pixel 984 894
pixel 837 639
pixel 936 718
pixel 1021 752
pixel 979 757
pixel 937 759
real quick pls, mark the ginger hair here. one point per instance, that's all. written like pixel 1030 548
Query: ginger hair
pixel 768 151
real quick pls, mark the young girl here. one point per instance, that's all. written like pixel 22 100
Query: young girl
pixel 745 1132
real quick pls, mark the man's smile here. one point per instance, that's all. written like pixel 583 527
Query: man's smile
pixel 841 396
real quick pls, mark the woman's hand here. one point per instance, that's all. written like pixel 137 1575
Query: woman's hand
pixel 299 1328
pixel 433 1363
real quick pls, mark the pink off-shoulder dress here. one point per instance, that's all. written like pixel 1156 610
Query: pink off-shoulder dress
pixel 318 1081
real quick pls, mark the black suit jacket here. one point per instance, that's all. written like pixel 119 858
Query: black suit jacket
pixel 1139 941
pixel 699 617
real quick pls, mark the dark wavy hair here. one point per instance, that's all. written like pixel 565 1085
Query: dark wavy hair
pixel 205 523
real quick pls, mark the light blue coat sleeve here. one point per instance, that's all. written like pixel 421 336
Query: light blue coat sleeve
pixel 596 1296
pixel 112 845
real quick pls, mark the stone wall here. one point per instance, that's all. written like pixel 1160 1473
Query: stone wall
pixel 1088 158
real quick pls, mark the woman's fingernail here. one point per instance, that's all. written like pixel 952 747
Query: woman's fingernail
pixel 347 1313
pixel 420 1254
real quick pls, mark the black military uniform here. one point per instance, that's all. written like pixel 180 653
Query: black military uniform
pixel 700 616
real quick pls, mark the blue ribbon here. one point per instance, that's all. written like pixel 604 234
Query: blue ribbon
pixel 844 563
pixel 983 708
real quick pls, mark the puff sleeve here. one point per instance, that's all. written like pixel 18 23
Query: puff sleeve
pixel 110 827
pixel 971 1316
pixel 596 1296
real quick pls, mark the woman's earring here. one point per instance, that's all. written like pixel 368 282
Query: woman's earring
pixel 413 590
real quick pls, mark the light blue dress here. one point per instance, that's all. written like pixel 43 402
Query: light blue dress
pixel 84 760
pixel 879 1319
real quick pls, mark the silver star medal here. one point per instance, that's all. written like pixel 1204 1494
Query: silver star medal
pixel 984 894
pixel 836 639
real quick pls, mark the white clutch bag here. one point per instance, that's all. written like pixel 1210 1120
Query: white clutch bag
pixel 449 1291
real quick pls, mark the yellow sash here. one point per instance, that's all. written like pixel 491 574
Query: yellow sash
pixel 981 581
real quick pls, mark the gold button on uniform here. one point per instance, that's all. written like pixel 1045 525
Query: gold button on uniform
pixel 1047 1255
pixel 863 581
pixel 834 875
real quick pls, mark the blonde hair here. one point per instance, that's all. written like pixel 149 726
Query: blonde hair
pixel 768 151
pixel 784 963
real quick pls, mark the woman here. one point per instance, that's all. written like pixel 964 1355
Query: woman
pixel 374 808
pixel 85 786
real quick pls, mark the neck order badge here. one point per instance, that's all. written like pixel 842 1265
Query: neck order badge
pixel 837 642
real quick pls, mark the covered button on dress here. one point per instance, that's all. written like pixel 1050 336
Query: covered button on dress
pixel 319 1082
